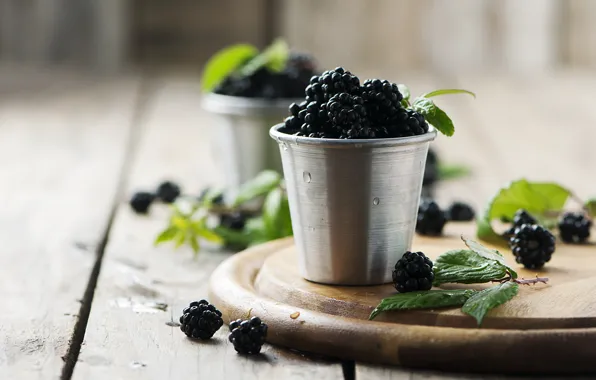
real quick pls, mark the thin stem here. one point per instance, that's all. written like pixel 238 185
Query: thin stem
pixel 536 280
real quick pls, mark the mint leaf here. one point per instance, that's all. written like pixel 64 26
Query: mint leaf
pixel 285 218
pixel 223 63
pixel 235 239
pixel 404 90
pixel 166 235
pixel 537 198
pixel 263 183
pixel 274 57
pixel 480 303
pixel 194 244
pixel 434 115
pixel 489 254
pixel 447 172
pixel 590 207
pixel 426 299
pixel 466 267
pixel 447 91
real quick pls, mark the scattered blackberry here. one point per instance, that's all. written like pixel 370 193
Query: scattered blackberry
pixel 431 170
pixel 235 220
pixel 141 201
pixel 431 219
pixel 532 245
pixel 414 271
pixel 332 82
pixel 200 320
pixel 460 212
pixel 248 336
pixel 346 115
pixel 168 191
pixel 382 100
pixel 574 227
pixel 521 217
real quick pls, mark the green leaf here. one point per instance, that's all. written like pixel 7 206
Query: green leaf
pixel 537 198
pixel 448 91
pixel 434 115
pixel 404 90
pixel 285 218
pixel 591 207
pixel 180 238
pixel 194 244
pixel 466 267
pixel 223 63
pixel 480 303
pixel 489 254
pixel 234 238
pixel 426 299
pixel 274 57
pixel 166 235
pixel 210 236
pixel 263 183
pixel 447 172
pixel 209 196
pixel 272 213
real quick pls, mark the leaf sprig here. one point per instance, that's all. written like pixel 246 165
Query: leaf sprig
pixel 475 265
pixel 427 107
pixel 198 220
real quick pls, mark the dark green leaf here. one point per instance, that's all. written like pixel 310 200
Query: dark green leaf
pixel 274 57
pixel 466 267
pixel 591 207
pixel 490 254
pixel 537 198
pixel 166 235
pixel 223 63
pixel 428 299
pixel 404 90
pixel 480 303
pixel 263 183
pixel 285 219
pixel 234 238
pixel 434 115
pixel 448 91
pixel 447 172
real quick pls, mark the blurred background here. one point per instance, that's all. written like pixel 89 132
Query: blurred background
pixel 444 36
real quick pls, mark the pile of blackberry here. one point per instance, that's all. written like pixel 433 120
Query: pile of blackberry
pixel 338 106
pixel 264 83
pixel 431 218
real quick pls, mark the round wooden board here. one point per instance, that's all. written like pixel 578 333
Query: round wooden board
pixel 546 329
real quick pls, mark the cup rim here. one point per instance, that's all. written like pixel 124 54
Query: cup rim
pixel 240 105
pixel 276 134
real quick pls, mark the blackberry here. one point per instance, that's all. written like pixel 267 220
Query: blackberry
pixel 346 115
pixel 460 212
pixel 235 220
pixel 413 272
pixel 382 100
pixel 248 336
pixel 141 201
pixel 332 82
pixel 532 245
pixel 200 320
pixel 521 217
pixel 431 219
pixel 574 227
pixel 218 200
pixel 168 191
pixel 413 125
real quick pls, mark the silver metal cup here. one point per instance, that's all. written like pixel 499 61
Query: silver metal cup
pixel 241 145
pixel 353 203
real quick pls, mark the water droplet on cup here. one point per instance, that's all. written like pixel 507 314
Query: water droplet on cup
pixel 376 201
pixel 284 146
pixel 306 176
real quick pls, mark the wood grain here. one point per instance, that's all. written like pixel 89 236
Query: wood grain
pixel 129 336
pixel 568 301
pixel 535 351
pixel 58 187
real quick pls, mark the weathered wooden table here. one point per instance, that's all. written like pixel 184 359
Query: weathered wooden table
pixel 86 295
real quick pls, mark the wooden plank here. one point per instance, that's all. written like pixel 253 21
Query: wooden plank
pixel 59 184
pixel 126 338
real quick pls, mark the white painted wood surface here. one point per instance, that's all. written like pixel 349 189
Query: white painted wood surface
pixel 127 338
pixel 60 156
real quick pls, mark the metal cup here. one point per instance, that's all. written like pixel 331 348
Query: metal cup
pixel 241 144
pixel 353 203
